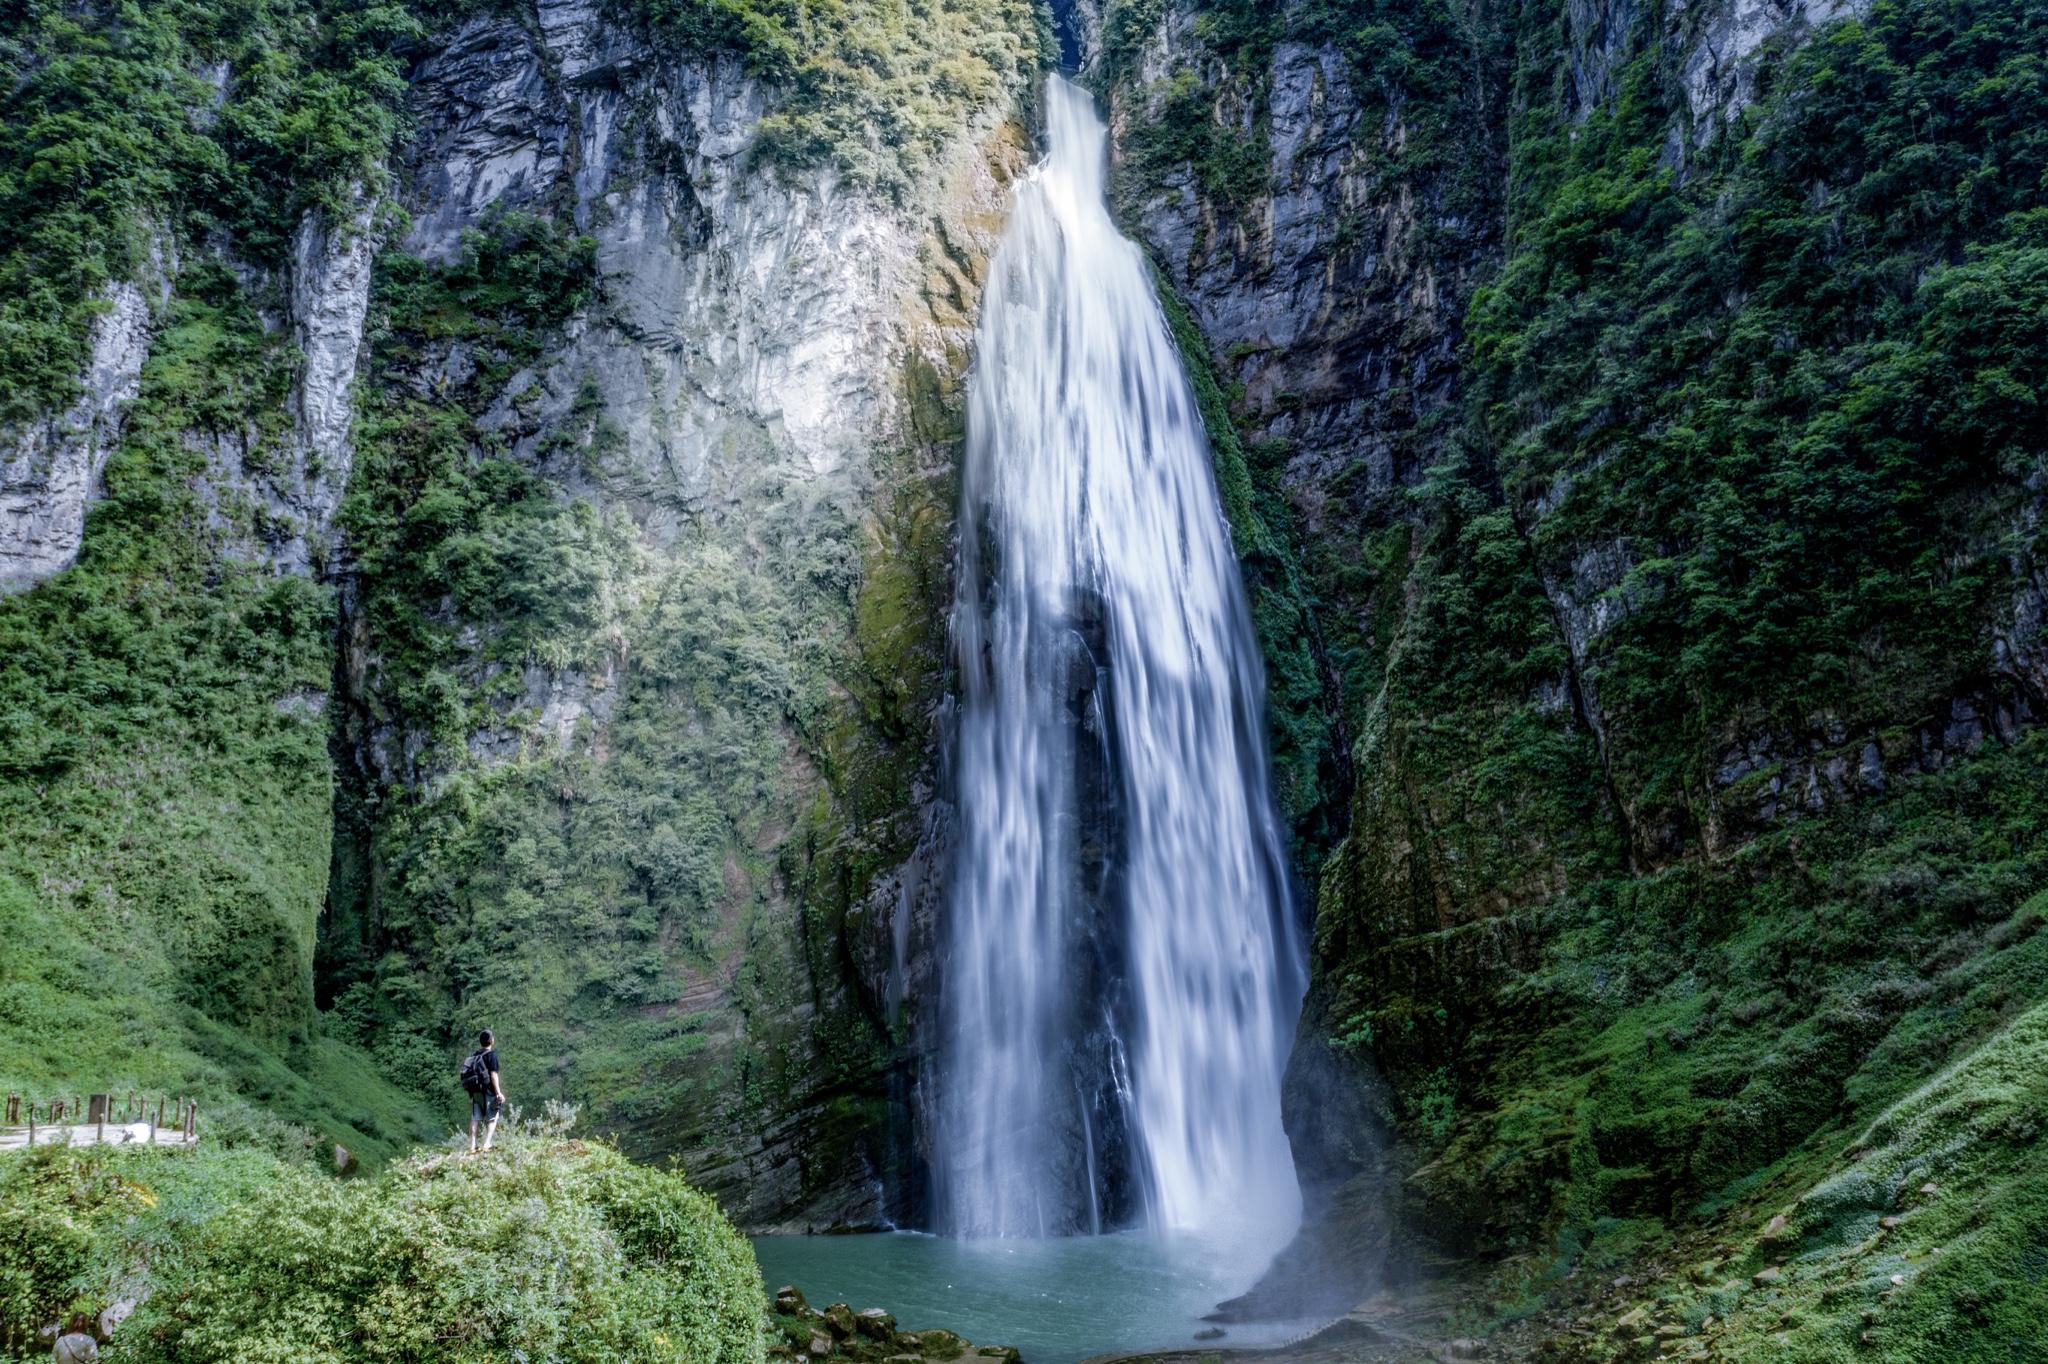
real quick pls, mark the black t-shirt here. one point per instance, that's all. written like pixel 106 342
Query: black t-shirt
pixel 491 1064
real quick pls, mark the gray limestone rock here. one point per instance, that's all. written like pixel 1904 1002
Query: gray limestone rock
pixel 1720 74
pixel 52 470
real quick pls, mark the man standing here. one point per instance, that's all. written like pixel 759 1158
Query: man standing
pixel 486 1091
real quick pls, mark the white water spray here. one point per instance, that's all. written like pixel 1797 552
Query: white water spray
pixel 1122 972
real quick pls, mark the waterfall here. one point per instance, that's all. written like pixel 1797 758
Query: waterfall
pixel 1122 971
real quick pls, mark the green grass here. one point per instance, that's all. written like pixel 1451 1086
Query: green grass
pixel 165 791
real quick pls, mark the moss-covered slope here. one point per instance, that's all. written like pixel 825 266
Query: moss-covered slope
pixel 1693 656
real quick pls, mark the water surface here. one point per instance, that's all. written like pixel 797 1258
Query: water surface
pixel 1057 1300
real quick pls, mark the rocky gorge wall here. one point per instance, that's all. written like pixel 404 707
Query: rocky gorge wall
pixel 1693 797
pixel 605 432
pixel 635 769
pixel 512 545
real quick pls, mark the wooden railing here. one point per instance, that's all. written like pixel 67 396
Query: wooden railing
pixel 139 1119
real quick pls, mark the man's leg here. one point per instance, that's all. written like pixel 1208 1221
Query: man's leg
pixel 491 1126
pixel 473 1124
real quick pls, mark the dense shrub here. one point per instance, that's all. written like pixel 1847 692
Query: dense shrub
pixel 877 89
pixel 547 1249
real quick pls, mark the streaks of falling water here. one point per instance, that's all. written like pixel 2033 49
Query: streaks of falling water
pixel 1122 967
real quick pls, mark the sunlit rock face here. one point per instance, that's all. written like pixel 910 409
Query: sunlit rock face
pixel 745 319
pixel 294 489
pixel 758 408
pixel 1721 70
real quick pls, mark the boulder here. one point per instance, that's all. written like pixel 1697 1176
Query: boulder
pixel 875 1324
pixel 789 1299
pixel 937 1344
pixel 839 1319
pixel 821 1344
pixel 112 1315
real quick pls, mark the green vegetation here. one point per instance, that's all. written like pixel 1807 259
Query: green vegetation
pixel 1310 769
pixel 572 884
pixel 162 759
pixel 1796 390
pixel 878 89
pixel 168 753
pixel 547 1247
pixel 1423 64
pixel 1418 62
pixel 1682 1047
pixel 1743 483
pixel 1784 386
pixel 114 147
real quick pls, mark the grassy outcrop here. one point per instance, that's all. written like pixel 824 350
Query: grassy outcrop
pixel 548 1247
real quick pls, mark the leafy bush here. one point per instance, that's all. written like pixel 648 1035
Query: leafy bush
pixel 547 1248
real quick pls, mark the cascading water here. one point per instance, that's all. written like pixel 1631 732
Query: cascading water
pixel 1122 972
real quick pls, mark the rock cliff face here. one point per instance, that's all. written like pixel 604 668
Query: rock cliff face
pixel 53 468
pixel 1386 232
pixel 755 412
pixel 290 501
pixel 623 435
pixel 1631 433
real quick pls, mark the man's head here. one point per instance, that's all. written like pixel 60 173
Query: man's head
pixel 484 1039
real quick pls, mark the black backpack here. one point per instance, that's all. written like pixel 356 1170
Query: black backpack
pixel 476 1076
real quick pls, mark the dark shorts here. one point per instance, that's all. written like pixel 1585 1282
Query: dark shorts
pixel 485 1107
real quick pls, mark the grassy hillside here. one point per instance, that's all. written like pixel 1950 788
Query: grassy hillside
pixel 164 781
